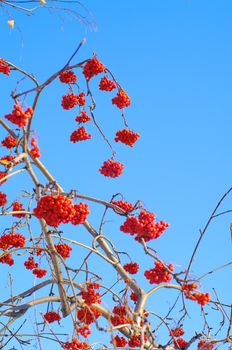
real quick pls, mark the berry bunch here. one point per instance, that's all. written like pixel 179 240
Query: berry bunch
pixel 92 68
pixel 51 316
pixel 69 101
pixel 3 199
pixel 2 175
pixel 68 77
pixel 76 345
pixel 18 116
pixel 121 100
pixel 180 343
pixel 7 259
pixel 135 341
pixel 80 135
pixel 119 342
pixel 159 273
pixel 205 345
pixel 16 206
pixel 9 142
pixel 106 84
pixel 89 295
pixel 126 206
pixel 144 226
pixel 126 136
pixel 111 168
pixel 55 209
pixel 201 298
pixel 134 297
pixel 63 249
pixel 176 332
pixel 120 316
pixel 88 315
pixel 4 67
pixel 12 240
pixel 81 212
pixel 39 273
pixel 30 264
pixel 35 151
pixel 132 268
pixel 83 117
pixel 84 331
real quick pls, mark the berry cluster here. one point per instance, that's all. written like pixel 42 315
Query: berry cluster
pixel 71 100
pixel 159 273
pixel 63 249
pixel 55 209
pixel 134 297
pixel 40 273
pixel 16 206
pixel 3 199
pixel 84 330
pixel 9 142
pixel 76 345
pixel 135 341
pixel 4 67
pixel 12 240
pixel 126 136
pixel 81 212
pixel 201 298
pixel 92 68
pixel 126 206
pixel 111 168
pixel 205 345
pixel 80 135
pixel 2 175
pixel 30 264
pixel 144 226
pixel 35 151
pixel 176 332
pixel 83 117
pixel 7 259
pixel 180 343
pixel 68 77
pixel 18 116
pixel 119 342
pixel 132 268
pixel 88 315
pixel 106 84
pixel 121 100
pixel 120 316
pixel 89 295
pixel 51 316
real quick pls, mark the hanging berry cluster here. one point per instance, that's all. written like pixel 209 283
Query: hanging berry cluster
pixel 89 295
pixel 131 268
pixel 63 249
pixel 18 116
pixel 111 168
pixel 35 151
pixel 4 67
pixel 3 199
pixel 9 142
pixel 201 298
pixel 160 273
pixel 51 316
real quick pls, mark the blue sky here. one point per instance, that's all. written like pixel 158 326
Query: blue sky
pixel 174 60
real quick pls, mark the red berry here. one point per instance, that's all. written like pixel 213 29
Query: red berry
pixel 9 142
pixel 132 268
pixel 3 199
pixel 111 168
pixel 68 77
pixel 121 100
pixel 83 117
pixel 51 316
pixel 18 116
pixel 39 273
pixel 63 249
pixel 81 212
pixel 80 135
pixel 4 67
pixel 126 136
pixel 106 84
pixel 159 273
pixel 93 67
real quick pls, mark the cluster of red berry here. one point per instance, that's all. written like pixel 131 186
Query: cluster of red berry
pixel 75 344
pixel 88 315
pixel 90 295
pixel 4 67
pixel 7 259
pixel 9 142
pixel 18 116
pixel 2 175
pixel 71 100
pixel 201 298
pixel 120 316
pixel 111 168
pixel 119 342
pixel 3 199
pixel 35 151
pixel 134 297
pixel 57 209
pixel 132 268
pixel 12 240
pixel 180 343
pixel 83 117
pixel 92 68
pixel 68 77
pixel 126 206
pixel 51 316
pixel 84 331
pixel 144 226
pixel 30 264
pixel 63 249
pixel 159 273
pixel 205 345
pixel 80 135
pixel 135 341
pixel 122 100
pixel 106 84
pixel 39 273
pixel 176 332
pixel 16 206
pixel 126 136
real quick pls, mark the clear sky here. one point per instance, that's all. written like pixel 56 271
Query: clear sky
pixel 174 60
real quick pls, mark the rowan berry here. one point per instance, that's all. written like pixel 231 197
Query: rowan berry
pixel 7 259
pixel 126 136
pixel 3 199
pixel 63 249
pixel 106 84
pixel 69 101
pixel 80 135
pixel 76 345
pixel 135 341
pixel 12 239
pixel 35 151
pixel 159 273
pixel 132 268
pixel 176 332
pixel 81 212
pixel 84 331
pixel 30 264
pixel 126 206
pixel 205 345
pixel 88 315
pixel 134 297
pixel 92 68
pixel 119 342
pixel 89 295
pixel 9 142
pixel 16 206
pixel 180 343
pixel 18 116
pixel 2 175
pixel 68 77
pixel 39 273
pixel 83 117
pixel 111 168
pixel 4 67
pixel 51 316
pixel 121 100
